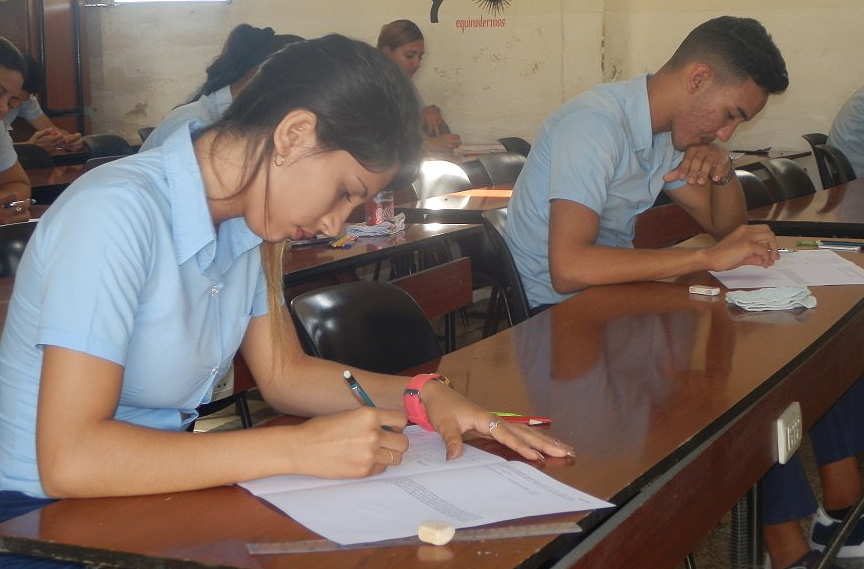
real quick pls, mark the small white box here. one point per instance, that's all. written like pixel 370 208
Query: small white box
pixel 705 290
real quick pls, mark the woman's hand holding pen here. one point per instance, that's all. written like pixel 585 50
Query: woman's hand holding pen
pixel 13 209
pixel 452 415
pixel 350 444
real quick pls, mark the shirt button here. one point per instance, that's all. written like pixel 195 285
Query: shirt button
pixel 215 290
pixel 214 371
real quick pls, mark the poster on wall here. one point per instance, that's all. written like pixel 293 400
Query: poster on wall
pixel 492 14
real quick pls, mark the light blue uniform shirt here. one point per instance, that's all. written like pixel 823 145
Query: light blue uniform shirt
pixel 596 150
pixel 127 266
pixel 29 109
pixel 8 156
pixel 847 132
pixel 207 110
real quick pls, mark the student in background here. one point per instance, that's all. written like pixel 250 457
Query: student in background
pixel 847 132
pixel 183 249
pixel 244 50
pixel 26 106
pixel 605 155
pixel 402 41
pixel 14 183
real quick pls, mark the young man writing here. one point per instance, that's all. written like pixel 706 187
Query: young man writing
pixel 605 155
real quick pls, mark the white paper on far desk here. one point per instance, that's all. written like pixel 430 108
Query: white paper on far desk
pixel 475 489
pixel 797 268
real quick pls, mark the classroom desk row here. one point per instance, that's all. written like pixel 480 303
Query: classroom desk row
pixel 668 399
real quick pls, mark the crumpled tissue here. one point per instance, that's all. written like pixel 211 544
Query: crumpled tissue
pixel 387 227
pixel 775 298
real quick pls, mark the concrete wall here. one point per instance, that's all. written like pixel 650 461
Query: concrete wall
pixel 490 81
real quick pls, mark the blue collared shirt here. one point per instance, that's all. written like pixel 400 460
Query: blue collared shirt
pixel 597 150
pixel 8 156
pixel 207 110
pixel 847 132
pixel 29 110
pixel 127 266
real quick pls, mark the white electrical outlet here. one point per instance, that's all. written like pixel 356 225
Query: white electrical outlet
pixel 789 432
pixel 225 386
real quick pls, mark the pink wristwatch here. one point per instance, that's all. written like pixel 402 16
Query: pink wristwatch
pixel 414 408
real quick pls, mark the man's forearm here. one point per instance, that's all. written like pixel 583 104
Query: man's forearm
pixel 728 208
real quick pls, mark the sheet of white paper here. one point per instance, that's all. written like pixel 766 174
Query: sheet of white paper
pixel 797 268
pixel 475 491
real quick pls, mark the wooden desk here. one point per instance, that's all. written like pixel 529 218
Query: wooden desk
pixel 668 399
pixel 47 183
pixel 319 261
pixel 460 207
pixel 835 212
pixel 752 161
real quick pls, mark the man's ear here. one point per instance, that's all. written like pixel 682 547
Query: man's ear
pixel 295 133
pixel 699 75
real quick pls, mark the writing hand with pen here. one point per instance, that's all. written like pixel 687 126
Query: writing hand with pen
pixel 14 210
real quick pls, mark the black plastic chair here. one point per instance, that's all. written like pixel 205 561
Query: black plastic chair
pixel 32 156
pixel 756 193
pixel 838 168
pixel 497 265
pixel 13 239
pixel 94 162
pixel 814 138
pixel 502 167
pixel 516 144
pixel 373 325
pixel 788 178
pixel 144 132
pixel 101 145
pixel 439 177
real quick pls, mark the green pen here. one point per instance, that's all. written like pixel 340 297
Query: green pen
pixel 807 244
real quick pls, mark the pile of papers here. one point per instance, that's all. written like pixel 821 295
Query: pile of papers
pixel 475 489
pixel 387 227
pixel 779 298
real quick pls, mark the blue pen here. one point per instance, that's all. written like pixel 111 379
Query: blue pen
pixel 357 389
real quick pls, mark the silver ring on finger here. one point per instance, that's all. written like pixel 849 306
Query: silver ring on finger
pixel 18 209
pixel 494 424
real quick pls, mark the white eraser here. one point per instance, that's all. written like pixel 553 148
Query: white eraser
pixel 435 532
pixel 705 290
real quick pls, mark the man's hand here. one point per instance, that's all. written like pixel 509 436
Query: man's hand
pixel 701 163
pixel 746 245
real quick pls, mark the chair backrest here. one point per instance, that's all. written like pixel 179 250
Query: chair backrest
pixel 144 132
pixel 814 138
pixel 500 267
pixel 439 177
pixel 516 144
pixel 107 145
pixel 502 167
pixel 32 156
pixel 13 239
pixel 373 325
pixel 839 169
pixel 93 162
pixel 756 193
pixel 789 178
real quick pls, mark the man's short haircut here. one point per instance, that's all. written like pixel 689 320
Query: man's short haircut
pixel 742 46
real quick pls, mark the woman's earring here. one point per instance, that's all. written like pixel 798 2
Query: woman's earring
pixel 278 160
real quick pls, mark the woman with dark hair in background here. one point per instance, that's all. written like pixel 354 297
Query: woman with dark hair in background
pixel 47 135
pixel 402 41
pixel 183 254
pixel 244 50
pixel 14 183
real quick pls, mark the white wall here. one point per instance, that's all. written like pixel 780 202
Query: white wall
pixel 491 82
